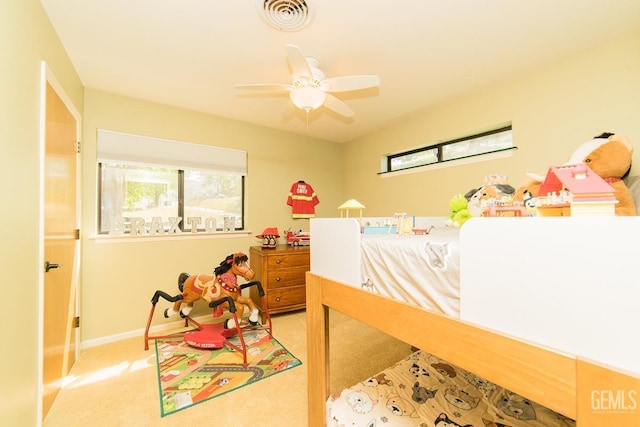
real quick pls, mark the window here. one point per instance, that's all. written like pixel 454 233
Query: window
pixel 155 186
pixel 494 141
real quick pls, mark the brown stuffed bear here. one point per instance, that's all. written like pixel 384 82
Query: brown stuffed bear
pixel 608 155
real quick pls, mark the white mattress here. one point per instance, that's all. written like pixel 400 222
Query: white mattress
pixel 419 269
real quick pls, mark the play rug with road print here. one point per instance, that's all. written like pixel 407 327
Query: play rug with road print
pixel 188 376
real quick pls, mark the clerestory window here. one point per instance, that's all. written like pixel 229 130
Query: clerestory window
pixel 480 144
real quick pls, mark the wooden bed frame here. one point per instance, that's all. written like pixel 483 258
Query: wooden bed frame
pixel 590 393
pixel 599 389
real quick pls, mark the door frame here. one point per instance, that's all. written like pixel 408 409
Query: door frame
pixel 47 77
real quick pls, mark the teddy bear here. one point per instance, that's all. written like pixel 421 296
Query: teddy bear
pixel 609 155
pixel 459 212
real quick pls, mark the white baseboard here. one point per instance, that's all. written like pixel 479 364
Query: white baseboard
pixel 140 332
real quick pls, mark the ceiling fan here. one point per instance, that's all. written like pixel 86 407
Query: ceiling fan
pixel 309 89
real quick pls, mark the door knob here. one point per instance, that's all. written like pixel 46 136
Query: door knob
pixel 48 266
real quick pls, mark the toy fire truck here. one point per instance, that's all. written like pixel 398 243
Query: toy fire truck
pixel 298 238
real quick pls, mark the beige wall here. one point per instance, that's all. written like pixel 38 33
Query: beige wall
pixel 26 39
pixel 119 279
pixel 553 110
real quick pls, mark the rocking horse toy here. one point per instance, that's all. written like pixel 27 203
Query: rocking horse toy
pixel 221 291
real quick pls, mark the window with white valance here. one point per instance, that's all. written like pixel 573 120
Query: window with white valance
pixel 116 147
pixel 150 185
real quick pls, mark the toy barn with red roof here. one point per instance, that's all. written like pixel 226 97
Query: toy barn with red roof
pixel 573 190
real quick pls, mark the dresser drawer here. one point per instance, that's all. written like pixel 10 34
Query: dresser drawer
pixel 288 277
pixel 287 260
pixel 295 295
pixel 282 271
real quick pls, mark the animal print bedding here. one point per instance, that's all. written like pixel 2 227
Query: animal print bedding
pixel 425 391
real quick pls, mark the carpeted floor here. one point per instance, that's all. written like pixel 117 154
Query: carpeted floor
pixel 116 385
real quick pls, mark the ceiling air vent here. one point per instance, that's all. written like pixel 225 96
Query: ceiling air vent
pixel 286 15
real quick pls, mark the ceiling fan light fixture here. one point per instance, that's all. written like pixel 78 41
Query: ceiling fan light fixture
pixel 286 15
pixel 307 98
pixel 310 90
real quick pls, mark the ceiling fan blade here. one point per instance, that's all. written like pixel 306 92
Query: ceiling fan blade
pixel 338 106
pixel 299 65
pixel 347 83
pixel 275 87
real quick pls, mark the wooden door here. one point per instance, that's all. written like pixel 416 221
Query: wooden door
pixel 60 245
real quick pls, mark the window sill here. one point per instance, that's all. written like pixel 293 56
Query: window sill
pixel 125 238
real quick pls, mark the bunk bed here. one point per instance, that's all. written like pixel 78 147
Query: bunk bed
pixel 549 309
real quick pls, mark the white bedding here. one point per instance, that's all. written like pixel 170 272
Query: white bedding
pixel 423 270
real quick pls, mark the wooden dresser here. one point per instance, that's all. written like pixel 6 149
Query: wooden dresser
pixel 282 271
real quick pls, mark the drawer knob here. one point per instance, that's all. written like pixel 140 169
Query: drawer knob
pixel 277 279
pixel 277 299
pixel 278 261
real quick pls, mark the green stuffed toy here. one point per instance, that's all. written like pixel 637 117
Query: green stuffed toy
pixel 459 211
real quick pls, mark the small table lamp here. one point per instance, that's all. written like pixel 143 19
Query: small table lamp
pixel 348 205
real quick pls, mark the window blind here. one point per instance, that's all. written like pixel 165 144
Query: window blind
pixel 116 147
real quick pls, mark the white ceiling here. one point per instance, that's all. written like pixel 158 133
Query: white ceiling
pixel 191 53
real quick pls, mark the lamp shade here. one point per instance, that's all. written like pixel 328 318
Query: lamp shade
pixel 351 204
pixel 307 97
